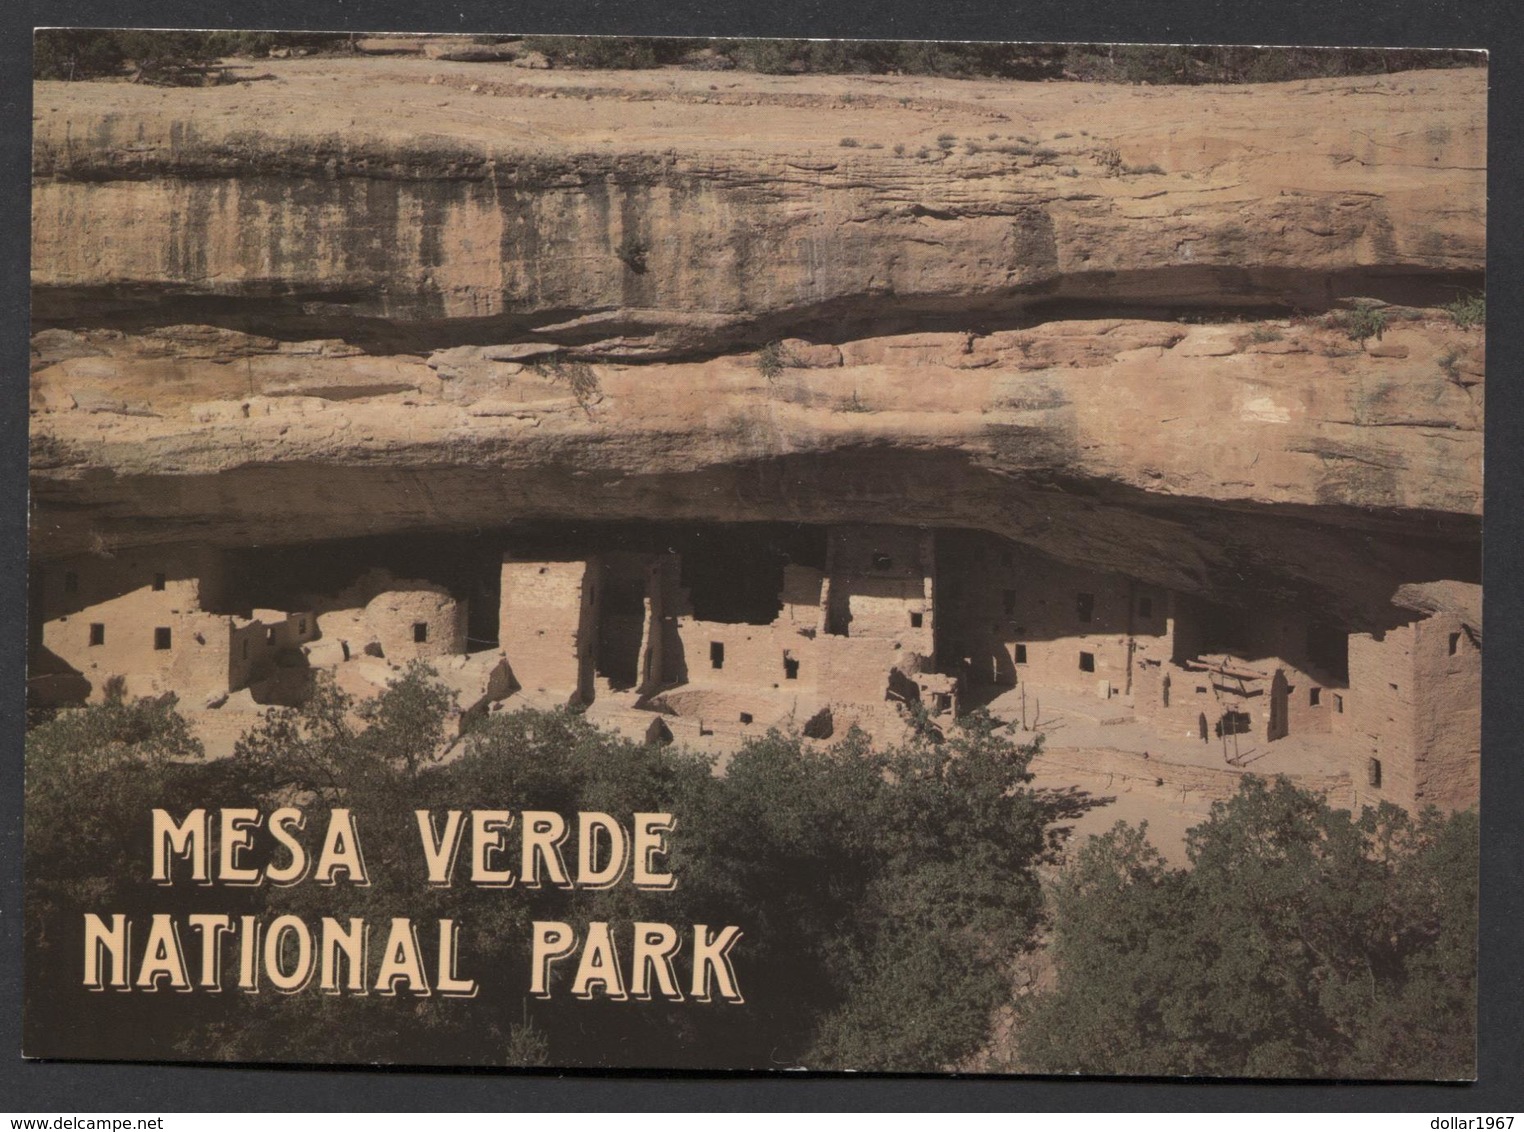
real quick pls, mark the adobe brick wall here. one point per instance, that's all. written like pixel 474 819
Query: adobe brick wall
pixel 1447 740
pixel 399 617
pixel 138 598
pixel 1415 705
pixel 547 610
pixel 1381 715
pixel 997 600
pixel 879 581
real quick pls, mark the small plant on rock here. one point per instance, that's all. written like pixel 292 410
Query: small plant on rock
pixel 1364 322
pixel 577 376
pixel 773 359
pixel 632 252
pixel 1468 311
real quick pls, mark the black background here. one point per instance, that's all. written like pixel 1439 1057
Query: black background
pixel 78 1088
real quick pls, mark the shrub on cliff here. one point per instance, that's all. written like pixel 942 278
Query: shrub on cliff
pixel 1468 311
pixel 1302 942
pixel 74 54
pixel 87 53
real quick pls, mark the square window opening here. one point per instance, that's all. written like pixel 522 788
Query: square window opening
pixel 790 667
pixel 1314 696
pixel 1021 654
pixel 716 654
pixel 159 582
pixel 1338 704
pixel 97 634
pixel 1454 643
pixel 1087 662
pixel 1373 773
pixel 916 619
pixel 746 717
pixel 420 632
pixel 161 638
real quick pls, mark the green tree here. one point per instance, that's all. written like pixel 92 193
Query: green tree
pixel 1301 942
pixel 94 775
pixel 881 893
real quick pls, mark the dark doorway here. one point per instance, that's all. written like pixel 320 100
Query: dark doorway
pixel 622 621
pixel 1279 694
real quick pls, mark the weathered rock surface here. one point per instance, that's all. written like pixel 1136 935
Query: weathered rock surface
pixel 363 298
pixel 418 201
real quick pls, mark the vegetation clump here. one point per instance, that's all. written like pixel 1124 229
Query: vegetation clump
pixel 161 57
pixel 73 53
pixel 1468 310
pixel 578 376
pixel 632 252
pixel 880 892
pixel 1366 322
pixel 1300 942
pixel 1363 322
pixel 773 359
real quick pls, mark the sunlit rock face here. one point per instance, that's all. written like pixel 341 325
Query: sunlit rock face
pixel 383 296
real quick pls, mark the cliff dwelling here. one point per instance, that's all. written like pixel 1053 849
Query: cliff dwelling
pixel 1186 480
pixel 704 634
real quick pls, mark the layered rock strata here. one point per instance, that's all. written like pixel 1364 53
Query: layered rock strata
pixel 1119 324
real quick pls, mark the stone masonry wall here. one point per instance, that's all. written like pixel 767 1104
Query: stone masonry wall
pixel 544 613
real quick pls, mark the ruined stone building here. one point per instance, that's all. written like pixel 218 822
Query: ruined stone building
pixel 857 631
pixel 1405 702
pixel 862 621
pixel 163 620
pixel 155 620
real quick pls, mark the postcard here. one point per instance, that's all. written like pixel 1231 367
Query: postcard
pixel 692 554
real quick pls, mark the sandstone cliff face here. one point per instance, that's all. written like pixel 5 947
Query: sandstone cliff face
pixel 372 296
